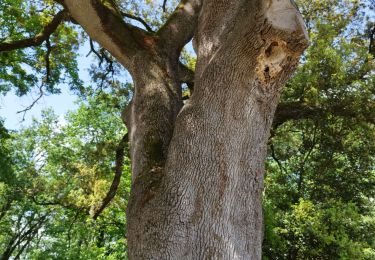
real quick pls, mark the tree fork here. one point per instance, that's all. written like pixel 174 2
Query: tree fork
pixel 206 202
pixel 198 173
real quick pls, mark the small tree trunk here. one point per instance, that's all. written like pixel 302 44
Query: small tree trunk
pixel 206 202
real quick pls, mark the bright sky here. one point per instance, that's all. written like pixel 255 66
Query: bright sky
pixel 61 103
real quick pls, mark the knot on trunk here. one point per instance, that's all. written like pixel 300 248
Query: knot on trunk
pixel 284 39
pixel 270 61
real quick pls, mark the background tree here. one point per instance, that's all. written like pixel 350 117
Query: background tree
pixel 60 173
pixel 320 170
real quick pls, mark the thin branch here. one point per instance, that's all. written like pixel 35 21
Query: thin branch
pixel 120 152
pixel 301 169
pixel 19 238
pixel 45 203
pixel 102 56
pixel 47 58
pixel 71 227
pixel 164 6
pixel 104 76
pixel 139 19
pixel 39 38
pixel 107 59
pixel 41 93
pixel 4 209
pixel 371 48
pixel 28 239
pixel 46 80
pixel 113 222
pixel 60 204
pixel 92 49
pixel 273 154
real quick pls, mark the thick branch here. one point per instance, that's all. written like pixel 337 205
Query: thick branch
pixel 181 25
pixel 39 38
pixel 294 111
pixel 297 110
pixel 116 180
pixel 104 23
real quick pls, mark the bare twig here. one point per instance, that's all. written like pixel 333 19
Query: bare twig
pixel 41 93
pixel 102 56
pixel 139 19
pixel 92 49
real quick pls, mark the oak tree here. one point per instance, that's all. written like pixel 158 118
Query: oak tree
pixel 198 165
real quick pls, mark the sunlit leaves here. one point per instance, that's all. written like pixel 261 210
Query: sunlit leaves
pixel 24 69
pixel 65 167
pixel 320 181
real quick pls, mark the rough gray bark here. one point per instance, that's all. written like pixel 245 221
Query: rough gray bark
pixel 206 202
pixel 198 171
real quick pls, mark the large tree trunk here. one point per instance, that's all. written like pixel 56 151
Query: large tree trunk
pixel 198 172
pixel 206 202
pixel 151 115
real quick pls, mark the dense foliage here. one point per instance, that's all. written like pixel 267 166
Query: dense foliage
pixel 320 183
pixel 61 169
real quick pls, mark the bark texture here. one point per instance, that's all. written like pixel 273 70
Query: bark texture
pixel 198 171
pixel 206 202
pixel 157 99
